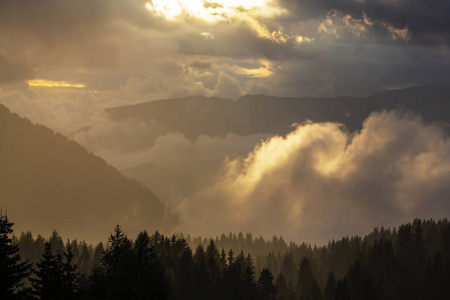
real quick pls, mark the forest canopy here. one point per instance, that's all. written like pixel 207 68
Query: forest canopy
pixel 408 262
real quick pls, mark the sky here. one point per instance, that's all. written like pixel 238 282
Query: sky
pixel 63 62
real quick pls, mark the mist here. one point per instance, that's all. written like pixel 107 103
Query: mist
pixel 317 183
pixel 321 182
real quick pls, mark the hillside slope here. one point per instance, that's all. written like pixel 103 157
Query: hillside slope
pixel 48 181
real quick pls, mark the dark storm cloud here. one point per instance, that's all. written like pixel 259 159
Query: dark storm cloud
pixel 358 71
pixel 427 19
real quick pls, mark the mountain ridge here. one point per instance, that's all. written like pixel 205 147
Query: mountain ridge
pixel 44 175
pixel 252 114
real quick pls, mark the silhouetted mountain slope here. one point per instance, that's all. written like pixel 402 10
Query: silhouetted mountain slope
pixel 193 115
pixel 47 180
pixel 253 114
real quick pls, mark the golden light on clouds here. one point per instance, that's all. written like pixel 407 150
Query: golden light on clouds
pixel 248 12
pixel 53 84
pixel 213 11
pixel 263 71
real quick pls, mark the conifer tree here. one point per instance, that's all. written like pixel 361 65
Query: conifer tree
pixel 330 288
pixel 150 282
pixel 223 261
pixel 266 289
pixel 230 259
pixel 307 286
pixel 283 288
pixel 12 270
pixel 112 277
pixel 48 284
pixel 71 277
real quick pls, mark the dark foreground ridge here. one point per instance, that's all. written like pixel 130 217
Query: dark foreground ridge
pixel 411 262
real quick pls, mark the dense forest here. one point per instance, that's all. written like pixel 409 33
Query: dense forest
pixel 408 262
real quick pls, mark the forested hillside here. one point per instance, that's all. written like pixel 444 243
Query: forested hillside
pixel 408 262
pixel 46 179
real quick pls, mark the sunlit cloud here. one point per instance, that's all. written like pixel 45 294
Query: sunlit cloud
pixel 207 35
pixel 320 181
pixel 213 11
pixel 303 39
pixel 265 70
pixel 248 12
pixel 398 33
pixel 336 23
pixel 53 84
pixel 327 26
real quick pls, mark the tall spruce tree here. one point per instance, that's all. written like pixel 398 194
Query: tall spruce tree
pixel 49 281
pixel 307 287
pixel 330 287
pixel 266 289
pixel 71 277
pixel 150 280
pixel 12 270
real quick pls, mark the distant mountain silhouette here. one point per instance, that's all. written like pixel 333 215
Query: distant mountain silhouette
pixel 251 114
pixel 47 180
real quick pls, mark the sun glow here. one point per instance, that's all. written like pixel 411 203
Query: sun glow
pixel 213 11
pixel 246 12
pixel 51 84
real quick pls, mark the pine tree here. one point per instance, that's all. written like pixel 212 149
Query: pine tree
pixel 288 268
pixel 213 261
pixel 12 270
pixel 230 259
pixel 266 289
pixel 71 277
pixel 249 285
pixel 223 261
pixel 151 282
pixel 111 279
pixel 49 281
pixel 307 286
pixel 330 288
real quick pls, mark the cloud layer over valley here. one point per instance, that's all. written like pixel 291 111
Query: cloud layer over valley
pixel 318 182
pixel 322 182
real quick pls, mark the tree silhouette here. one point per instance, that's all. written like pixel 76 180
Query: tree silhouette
pixel 285 290
pixel 71 278
pixel 330 288
pixel 382 265
pixel 49 281
pixel 151 282
pixel 307 286
pixel 12 270
pixel 129 270
pixel 266 289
